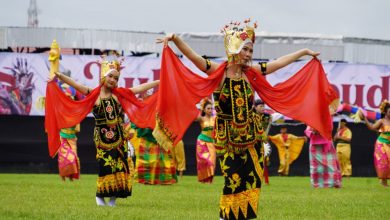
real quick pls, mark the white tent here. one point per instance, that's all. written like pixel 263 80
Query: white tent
pixel 267 45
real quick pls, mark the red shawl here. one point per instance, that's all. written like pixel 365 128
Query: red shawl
pixel 305 97
pixel 62 112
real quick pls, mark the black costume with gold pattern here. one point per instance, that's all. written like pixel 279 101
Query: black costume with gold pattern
pixel 237 132
pixel 114 173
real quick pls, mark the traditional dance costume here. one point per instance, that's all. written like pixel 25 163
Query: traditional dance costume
pixel 179 157
pixel 324 166
pixel 236 133
pixel 68 161
pixel 153 164
pixel 382 153
pixel 61 112
pixel 205 151
pixel 111 151
pixel 344 151
pixel 289 148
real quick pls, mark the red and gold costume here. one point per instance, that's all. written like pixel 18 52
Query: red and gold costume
pixel 304 97
pixel 61 112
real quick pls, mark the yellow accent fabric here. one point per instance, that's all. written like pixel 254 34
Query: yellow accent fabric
pixel 178 156
pixel 114 182
pixel 385 128
pixel 344 153
pixel 135 140
pixel 207 123
pixel 287 155
pixel 255 157
pixel 239 201
pixel 344 157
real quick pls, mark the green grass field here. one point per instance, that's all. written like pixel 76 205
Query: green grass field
pixel 39 196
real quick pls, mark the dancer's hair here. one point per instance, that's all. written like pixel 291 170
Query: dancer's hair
pixel 384 106
pixel 203 104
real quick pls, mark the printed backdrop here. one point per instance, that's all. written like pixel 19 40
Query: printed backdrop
pixel 23 79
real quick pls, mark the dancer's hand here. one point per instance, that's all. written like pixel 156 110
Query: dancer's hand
pixel 312 53
pixel 56 76
pixel 166 39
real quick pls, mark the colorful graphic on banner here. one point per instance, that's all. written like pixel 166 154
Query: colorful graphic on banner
pixel 23 79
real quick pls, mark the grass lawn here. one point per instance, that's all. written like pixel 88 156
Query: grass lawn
pixel 41 196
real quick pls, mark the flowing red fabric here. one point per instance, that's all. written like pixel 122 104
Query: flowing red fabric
pixel 141 113
pixel 306 96
pixel 62 112
pixel 179 91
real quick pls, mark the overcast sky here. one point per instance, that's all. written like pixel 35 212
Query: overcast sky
pixel 352 18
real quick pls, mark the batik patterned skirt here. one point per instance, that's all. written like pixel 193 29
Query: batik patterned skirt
pixel 114 172
pixel 241 190
pixel 324 167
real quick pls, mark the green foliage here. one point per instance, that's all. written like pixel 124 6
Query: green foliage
pixel 39 196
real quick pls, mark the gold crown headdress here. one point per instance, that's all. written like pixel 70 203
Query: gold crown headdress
pixel 108 64
pixel 236 37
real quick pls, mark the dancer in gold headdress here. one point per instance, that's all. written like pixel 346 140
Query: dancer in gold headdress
pixel 107 103
pixel 236 131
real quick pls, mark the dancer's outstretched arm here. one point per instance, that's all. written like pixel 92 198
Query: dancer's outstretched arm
pixel 71 82
pixel 375 126
pixel 206 66
pixel 145 86
pixel 283 61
